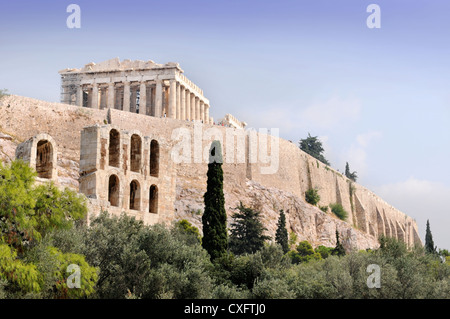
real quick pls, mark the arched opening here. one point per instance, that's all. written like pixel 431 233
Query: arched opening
pixel 135 153
pixel 135 195
pixel 113 190
pixel 153 199
pixel 114 148
pixel 44 156
pixel 154 158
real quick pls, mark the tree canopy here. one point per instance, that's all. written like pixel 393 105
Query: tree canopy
pixel 350 175
pixel 313 146
pixel 247 231
pixel 28 213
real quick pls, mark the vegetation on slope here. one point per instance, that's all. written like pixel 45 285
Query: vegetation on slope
pixel 42 233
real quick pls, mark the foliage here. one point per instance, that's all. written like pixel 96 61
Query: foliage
pixel 186 227
pixel 429 243
pixel 350 175
pixel 313 146
pixel 214 219
pixel 304 253
pixel 59 214
pixel 444 252
pixel 145 261
pixel 20 277
pixel 247 231
pixel 324 209
pixel 292 239
pixel 281 234
pixel 157 262
pixel 28 213
pixel 312 196
pixel 338 249
pixel 243 271
pixel 56 275
pixel 339 211
pixel 324 252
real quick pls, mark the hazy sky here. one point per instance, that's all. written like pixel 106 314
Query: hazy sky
pixel 378 98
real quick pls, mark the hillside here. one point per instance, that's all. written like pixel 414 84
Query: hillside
pixel 369 216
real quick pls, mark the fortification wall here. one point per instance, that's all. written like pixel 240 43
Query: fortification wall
pixel 369 216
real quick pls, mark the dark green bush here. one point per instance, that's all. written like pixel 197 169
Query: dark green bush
pixel 324 209
pixel 312 196
pixel 339 211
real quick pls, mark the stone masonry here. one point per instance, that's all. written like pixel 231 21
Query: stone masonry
pixel 127 160
pixel 122 170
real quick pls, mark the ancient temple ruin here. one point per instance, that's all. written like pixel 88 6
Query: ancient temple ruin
pixel 143 87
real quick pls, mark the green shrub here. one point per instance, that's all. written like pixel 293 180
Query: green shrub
pixel 339 211
pixel 188 229
pixel 304 253
pixel 324 251
pixel 312 196
pixel 324 209
pixel 292 239
pixel 272 288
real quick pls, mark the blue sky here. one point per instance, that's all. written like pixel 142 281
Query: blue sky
pixel 378 98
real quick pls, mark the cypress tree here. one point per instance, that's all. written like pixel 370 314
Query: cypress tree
pixel 347 169
pixel 214 219
pixel 429 243
pixel 350 175
pixel 339 249
pixel 281 235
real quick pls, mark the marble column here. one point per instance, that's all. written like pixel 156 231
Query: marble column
pixel 143 99
pixel 133 97
pixel 197 109
pixel 182 104
pixel 178 113
pixel 172 99
pixel 158 98
pixel 94 98
pixel 207 114
pixel 110 102
pixel 188 105
pixel 126 96
pixel 193 114
pixel 202 112
pixel 80 95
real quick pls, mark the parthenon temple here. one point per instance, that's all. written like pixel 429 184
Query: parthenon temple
pixel 143 87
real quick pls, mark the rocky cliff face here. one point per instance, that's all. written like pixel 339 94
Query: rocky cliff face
pixel 369 216
pixel 307 221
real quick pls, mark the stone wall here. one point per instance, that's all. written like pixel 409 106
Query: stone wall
pixel 185 183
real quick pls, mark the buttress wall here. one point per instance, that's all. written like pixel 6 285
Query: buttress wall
pixel 125 171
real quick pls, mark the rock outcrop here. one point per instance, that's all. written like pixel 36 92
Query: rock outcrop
pixel 369 216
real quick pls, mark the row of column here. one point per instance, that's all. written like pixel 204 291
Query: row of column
pixel 182 104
